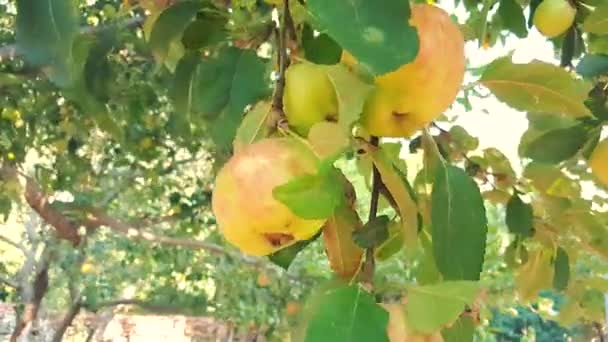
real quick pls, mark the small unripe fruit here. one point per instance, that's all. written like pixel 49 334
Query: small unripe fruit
pixel 599 162
pixel 309 97
pixel 554 17
pixel 247 214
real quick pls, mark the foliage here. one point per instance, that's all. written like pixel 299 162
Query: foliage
pixel 116 116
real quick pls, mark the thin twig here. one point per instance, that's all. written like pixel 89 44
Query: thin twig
pixel 8 282
pixel 15 244
pixel 277 99
pixel 369 265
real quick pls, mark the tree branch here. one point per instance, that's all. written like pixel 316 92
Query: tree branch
pixel 277 99
pixel 15 244
pixel 67 320
pixel 32 305
pixel 367 274
pixel 9 282
pixel 143 304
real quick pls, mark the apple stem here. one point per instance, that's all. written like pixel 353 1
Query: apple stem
pixel 367 273
pixel 277 99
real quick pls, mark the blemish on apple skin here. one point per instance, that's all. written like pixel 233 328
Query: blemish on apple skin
pixel 400 116
pixel 278 239
pixel 330 117
pixel 373 35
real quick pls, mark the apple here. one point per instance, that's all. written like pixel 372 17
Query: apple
pixel 554 17
pixel 309 97
pixel 247 214
pixel 599 162
pixel 415 94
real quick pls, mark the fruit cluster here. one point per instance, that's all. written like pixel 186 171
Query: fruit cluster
pixel 402 102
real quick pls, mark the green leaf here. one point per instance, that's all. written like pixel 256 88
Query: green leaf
pixel 182 92
pixel 312 196
pixel 347 314
pixel 284 257
pixel 235 79
pixel 520 217
pixel 204 31
pixel 597 22
pixel 320 49
pixel 459 227
pixel 561 274
pixel 431 307
pixel 254 126
pixel 351 93
pixel 593 65
pixel 376 33
pixel 598 103
pixel 524 87
pixel 513 18
pixel 373 233
pixel 463 330
pixel 557 145
pixel 169 27
pixel 45 32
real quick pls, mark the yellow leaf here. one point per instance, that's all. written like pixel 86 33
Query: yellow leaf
pixel 343 254
pixel 408 210
pixel 535 275
pixel 327 139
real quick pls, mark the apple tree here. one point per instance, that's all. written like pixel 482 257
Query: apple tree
pixel 248 133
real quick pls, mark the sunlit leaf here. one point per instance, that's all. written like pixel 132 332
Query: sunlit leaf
pixel 432 307
pixel 525 87
pixel 254 126
pixel 597 22
pixel 535 275
pixel 312 196
pixel 351 92
pixel 328 139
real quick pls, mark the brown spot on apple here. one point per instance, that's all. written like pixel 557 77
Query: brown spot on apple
pixel 278 239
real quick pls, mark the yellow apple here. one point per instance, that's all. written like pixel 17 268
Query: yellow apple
pixel 247 214
pixel 415 94
pixel 554 17
pixel 599 162
pixel 309 97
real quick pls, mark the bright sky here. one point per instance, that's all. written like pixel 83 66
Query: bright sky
pixel 502 127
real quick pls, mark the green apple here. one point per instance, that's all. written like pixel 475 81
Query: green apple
pixel 309 97
pixel 554 17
